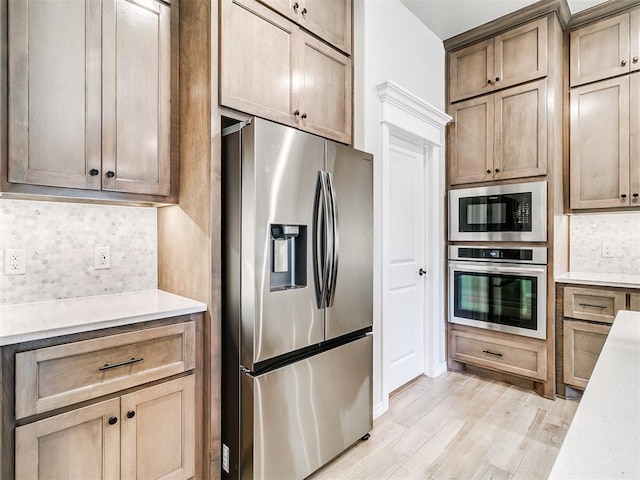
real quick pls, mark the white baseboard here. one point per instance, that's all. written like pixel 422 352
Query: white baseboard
pixel 438 370
pixel 378 410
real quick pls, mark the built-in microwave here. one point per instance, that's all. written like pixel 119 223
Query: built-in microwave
pixel 515 212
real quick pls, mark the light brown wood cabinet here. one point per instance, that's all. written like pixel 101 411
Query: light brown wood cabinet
pixel 634 302
pixel 505 353
pixel 273 69
pixel 583 343
pixel 329 20
pixel 513 57
pixel 593 304
pixel 605 49
pixel 605 143
pixel 499 136
pixel 146 434
pixel 89 91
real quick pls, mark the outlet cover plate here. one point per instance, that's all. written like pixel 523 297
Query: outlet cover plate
pixel 102 258
pixel 15 261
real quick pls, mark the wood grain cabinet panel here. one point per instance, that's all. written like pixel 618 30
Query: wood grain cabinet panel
pixel 273 69
pixel 600 50
pixel 499 136
pixel 89 90
pixel 583 343
pixel 600 136
pixel 593 304
pixel 634 39
pixel 82 444
pixel 527 359
pixel 634 302
pixel 328 19
pixel 516 56
pixel 634 139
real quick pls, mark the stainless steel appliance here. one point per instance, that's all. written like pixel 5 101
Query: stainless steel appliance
pixel 516 212
pixel 503 289
pixel 297 300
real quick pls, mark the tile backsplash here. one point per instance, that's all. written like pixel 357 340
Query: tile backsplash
pixel 589 232
pixel 60 240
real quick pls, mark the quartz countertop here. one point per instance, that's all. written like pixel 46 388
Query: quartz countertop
pixel 34 321
pixel 603 440
pixel 600 279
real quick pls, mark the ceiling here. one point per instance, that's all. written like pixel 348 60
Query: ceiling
pixel 447 18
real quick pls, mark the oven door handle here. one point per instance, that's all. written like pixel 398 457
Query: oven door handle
pixel 497 268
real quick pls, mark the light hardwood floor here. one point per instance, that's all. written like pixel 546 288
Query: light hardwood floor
pixel 459 426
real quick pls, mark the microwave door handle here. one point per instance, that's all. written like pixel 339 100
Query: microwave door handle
pixel 497 269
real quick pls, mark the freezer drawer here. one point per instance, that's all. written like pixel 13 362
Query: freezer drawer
pixel 297 418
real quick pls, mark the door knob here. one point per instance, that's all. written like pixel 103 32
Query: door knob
pixel 421 272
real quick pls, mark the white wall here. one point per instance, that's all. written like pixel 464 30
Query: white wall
pixel 390 43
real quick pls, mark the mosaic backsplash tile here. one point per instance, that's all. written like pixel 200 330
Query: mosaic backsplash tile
pixel 589 232
pixel 60 240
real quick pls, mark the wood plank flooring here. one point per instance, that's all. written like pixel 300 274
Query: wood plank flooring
pixel 459 426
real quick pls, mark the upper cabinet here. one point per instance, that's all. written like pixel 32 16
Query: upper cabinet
pixel 516 56
pixel 605 49
pixel 89 92
pixel 329 20
pixel 273 69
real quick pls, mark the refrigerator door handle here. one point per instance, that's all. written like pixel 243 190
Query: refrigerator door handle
pixel 321 232
pixel 335 242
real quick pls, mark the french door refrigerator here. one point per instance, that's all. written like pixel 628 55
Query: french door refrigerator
pixel 297 300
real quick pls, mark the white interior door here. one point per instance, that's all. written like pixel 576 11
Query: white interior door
pixel 404 310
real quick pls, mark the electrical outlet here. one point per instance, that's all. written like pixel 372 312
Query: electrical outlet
pixel 607 250
pixel 102 258
pixel 15 261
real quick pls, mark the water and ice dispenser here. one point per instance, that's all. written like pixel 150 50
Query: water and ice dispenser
pixel 288 257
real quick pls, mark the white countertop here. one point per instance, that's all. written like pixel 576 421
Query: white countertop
pixel 33 321
pixel 603 441
pixel 600 279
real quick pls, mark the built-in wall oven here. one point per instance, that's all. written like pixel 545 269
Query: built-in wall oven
pixel 513 213
pixel 499 288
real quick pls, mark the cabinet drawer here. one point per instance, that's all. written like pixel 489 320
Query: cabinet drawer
pixel 592 304
pixel 53 377
pixel 511 356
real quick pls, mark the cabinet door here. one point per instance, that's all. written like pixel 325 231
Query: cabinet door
pixel 634 138
pixel 599 156
pixel 325 90
pixel 54 133
pixel 634 39
pixel 158 431
pixel 330 20
pixel 258 61
pixel 136 77
pixel 471 71
pixel 521 54
pixel 600 50
pixel 583 343
pixel 471 141
pixel 521 131
pixel 78 444
pixel 634 302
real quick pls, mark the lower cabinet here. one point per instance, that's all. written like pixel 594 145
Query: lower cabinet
pixel 506 353
pixel 634 302
pixel 149 433
pixel 583 343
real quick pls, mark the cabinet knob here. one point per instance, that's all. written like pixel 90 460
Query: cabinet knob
pixel 488 171
pixel 93 172
pixel 635 59
pixel 497 170
pixel 113 420
pixel 489 82
pixel 131 414
pixel 304 11
pixel 296 113
pixel 497 79
pixel 623 63
pixel 110 174
pixel 635 197
pixel 624 195
pixel 296 6
pixel 304 115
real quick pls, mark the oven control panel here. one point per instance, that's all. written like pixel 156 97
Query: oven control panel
pixel 536 255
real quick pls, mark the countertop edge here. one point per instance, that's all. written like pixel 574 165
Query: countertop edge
pixel 599 280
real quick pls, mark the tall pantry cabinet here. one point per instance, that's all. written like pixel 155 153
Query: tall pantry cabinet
pixel 505 95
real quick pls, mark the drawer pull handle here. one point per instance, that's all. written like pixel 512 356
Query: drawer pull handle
pixel 492 353
pixel 591 305
pixel 106 366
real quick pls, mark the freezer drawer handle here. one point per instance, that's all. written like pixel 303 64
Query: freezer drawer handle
pixel 108 366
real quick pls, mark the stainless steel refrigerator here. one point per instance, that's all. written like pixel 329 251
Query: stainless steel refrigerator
pixel 297 300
